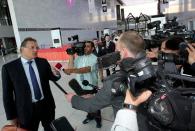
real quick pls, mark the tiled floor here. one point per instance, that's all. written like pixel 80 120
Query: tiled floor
pixel 63 108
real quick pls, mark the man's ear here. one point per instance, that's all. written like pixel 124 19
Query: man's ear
pixel 125 52
pixel 93 48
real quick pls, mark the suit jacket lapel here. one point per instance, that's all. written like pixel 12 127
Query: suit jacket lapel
pixel 20 69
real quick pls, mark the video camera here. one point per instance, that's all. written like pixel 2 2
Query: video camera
pixel 135 70
pixel 179 59
pixel 77 48
pixel 154 24
pixel 73 38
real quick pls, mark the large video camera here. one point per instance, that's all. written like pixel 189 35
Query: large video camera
pixel 135 70
pixel 154 24
pixel 73 38
pixel 77 48
pixel 169 107
pixel 178 59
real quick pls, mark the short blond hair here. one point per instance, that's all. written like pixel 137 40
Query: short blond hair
pixel 132 41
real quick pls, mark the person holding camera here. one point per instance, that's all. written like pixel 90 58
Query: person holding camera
pixel 128 114
pixel 85 68
pixel 129 45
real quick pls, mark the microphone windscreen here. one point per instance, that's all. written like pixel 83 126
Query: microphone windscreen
pixel 58 66
pixel 85 82
pixel 77 88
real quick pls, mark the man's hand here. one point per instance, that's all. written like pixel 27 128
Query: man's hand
pixel 55 71
pixel 68 71
pixel 13 122
pixel 87 96
pixel 130 99
pixel 191 55
pixel 69 96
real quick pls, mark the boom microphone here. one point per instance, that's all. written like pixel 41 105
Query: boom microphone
pixel 77 88
pixel 86 83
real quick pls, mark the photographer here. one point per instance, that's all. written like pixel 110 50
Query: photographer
pixel 130 44
pixel 128 114
pixel 85 67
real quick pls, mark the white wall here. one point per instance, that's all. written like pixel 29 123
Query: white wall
pixel 35 18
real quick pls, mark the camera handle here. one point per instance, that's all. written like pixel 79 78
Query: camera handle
pixel 161 75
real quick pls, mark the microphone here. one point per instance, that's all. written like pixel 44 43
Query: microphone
pixel 86 83
pixel 59 66
pixel 77 88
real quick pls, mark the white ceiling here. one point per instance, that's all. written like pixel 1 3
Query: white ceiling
pixel 135 2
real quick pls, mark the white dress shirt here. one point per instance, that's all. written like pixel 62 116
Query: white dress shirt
pixel 26 69
pixel 126 120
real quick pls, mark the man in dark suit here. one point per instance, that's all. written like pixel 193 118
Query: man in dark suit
pixel 100 48
pixel 27 95
pixel 110 47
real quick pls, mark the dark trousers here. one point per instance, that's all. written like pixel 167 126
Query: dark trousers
pixel 41 114
pixel 96 115
pixel 107 72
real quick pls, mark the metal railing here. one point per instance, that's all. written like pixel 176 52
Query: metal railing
pixel 4 21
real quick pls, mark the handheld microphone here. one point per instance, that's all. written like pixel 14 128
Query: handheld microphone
pixel 77 88
pixel 86 83
pixel 59 66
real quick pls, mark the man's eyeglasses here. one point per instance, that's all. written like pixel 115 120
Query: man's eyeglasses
pixel 32 48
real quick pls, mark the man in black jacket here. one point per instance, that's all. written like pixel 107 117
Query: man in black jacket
pixel 109 48
pixel 27 95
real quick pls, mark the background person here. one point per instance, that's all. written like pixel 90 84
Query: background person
pixel 109 48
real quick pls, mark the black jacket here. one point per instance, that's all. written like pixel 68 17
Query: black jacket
pixel 16 90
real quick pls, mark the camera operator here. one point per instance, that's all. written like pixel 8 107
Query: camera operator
pixel 130 44
pixel 177 47
pixel 128 114
pixel 85 67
